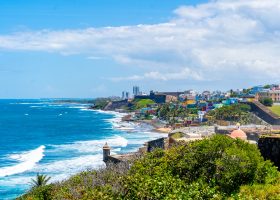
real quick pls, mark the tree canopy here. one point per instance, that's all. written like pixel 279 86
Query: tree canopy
pixel 266 101
pixel 234 113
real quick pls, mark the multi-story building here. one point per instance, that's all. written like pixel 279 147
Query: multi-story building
pixel 256 89
pixel 136 90
pixel 125 95
pixel 273 94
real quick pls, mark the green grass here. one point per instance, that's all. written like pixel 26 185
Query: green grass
pixel 177 135
pixel 143 103
pixel 275 109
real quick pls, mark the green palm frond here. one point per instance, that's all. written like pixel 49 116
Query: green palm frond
pixel 40 180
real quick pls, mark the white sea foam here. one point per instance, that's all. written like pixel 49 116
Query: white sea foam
pixel 78 107
pixel 91 146
pixel 117 122
pixel 13 181
pixel 27 161
pixel 85 109
pixel 68 167
pixel 38 106
pixel 116 114
pixel 29 103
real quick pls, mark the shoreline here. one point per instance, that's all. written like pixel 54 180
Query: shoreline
pixel 157 126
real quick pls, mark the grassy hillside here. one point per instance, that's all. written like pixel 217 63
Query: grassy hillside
pixel 215 168
pixel 275 109
pixel 143 103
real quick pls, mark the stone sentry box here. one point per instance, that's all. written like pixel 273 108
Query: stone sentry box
pixel 148 147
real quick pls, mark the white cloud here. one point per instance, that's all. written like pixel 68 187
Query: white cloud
pixel 183 74
pixel 223 39
pixel 94 58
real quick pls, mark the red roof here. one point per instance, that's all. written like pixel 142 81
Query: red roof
pixel 238 134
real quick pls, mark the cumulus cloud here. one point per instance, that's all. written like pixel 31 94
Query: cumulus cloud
pixel 221 39
pixel 155 75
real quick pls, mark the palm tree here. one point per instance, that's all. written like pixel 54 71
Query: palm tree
pixel 40 180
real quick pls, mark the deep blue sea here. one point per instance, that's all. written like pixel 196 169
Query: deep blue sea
pixel 59 140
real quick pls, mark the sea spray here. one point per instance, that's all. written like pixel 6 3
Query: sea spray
pixel 27 161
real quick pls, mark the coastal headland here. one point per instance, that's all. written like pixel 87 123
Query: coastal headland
pixel 210 130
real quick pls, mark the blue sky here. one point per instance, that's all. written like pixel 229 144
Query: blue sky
pixel 79 48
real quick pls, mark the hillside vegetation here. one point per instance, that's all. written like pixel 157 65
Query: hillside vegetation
pixel 214 168
pixel 142 103
pixel 234 113
pixel 275 109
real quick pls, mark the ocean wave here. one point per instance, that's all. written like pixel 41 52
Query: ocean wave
pixel 85 109
pixel 43 106
pixel 28 103
pixel 15 181
pixel 114 113
pixel 117 123
pixel 78 107
pixel 91 146
pixel 62 169
pixel 27 161
pixel 58 170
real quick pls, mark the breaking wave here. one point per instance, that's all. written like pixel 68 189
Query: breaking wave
pixel 27 161
pixel 92 146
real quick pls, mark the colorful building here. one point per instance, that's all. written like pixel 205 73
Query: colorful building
pixel 273 94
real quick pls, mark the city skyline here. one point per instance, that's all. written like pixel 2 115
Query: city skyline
pixel 100 48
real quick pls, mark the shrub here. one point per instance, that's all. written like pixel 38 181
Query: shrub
pixel 257 191
pixel 266 101
pixel 215 168
pixel 234 113
pixel 39 193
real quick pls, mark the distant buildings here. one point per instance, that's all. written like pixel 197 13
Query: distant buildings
pixel 136 90
pixel 217 95
pixel 158 98
pixel 256 89
pixel 125 95
pixel 273 94
pixel 268 91
pixel 192 97
pixel 161 97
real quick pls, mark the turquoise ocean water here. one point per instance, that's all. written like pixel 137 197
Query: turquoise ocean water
pixel 59 140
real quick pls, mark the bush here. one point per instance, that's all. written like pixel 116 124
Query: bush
pixel 257 191
pixel 267 102
pixel 39 193
pixel 233 113
pixel 215 168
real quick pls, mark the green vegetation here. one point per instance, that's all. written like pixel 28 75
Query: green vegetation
pixel 100 103
pixel 214 168
pixel 177 135
pixel 267 102
pixel 246 91
pixel 233 94
pixel 143 103
pixel 275 109
pixel 41 180
pixel 233 113
pixel 169 112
